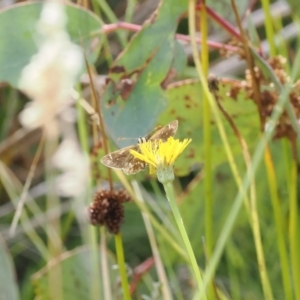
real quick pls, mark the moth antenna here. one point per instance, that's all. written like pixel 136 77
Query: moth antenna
pixel 139 138
pixel 124 138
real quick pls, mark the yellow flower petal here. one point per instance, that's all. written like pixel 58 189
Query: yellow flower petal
pixel 161 155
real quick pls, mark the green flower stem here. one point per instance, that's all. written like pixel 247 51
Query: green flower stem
pixel 171 197
pixel 122 266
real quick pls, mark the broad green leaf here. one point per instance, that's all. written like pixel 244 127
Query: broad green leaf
pixel 179 59
pixel 8 284
pixel 134 96
pixel 146 42
pixel 185 105
pixel 17 35
pixel 135 116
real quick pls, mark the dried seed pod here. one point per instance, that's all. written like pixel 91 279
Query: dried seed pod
pixel 107 209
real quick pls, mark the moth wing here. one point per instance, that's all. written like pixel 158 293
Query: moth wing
pixel 166 131
pixel 123 159
pixel 134 165
pixel 119 158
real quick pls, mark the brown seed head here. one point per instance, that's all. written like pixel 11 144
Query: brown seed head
pixel 107 209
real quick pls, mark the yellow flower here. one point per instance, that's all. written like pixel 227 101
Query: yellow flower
pixel 160 156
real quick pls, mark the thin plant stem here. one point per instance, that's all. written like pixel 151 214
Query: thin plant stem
pixel 233 275
pixel 113 19
pixel 251 207
pixel 284 262
pixel 209 96
pixel 237 204
pixel 213 105
pixel 294 229
pixel 14 188
pixel 269 26
pixel 228 151
pixel 27 184
pixel 122 266
pixel 107 55
pixel 53 227
pixel 107 28
pixel 106 285
pixel 245 185
pixel 96 107
pixel 129 11
pixel 267 290
pixel 207 141
pixel 207 146
pixel 82 126
pixel 166 294
pixel 172 275
pixel 90 234
pixel 171 197
pixel 171 239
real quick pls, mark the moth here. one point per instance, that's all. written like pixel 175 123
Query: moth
pixel 123 159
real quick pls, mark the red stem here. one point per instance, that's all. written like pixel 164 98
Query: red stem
pixel 107 28
pixel 138 273
pixel 224 23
